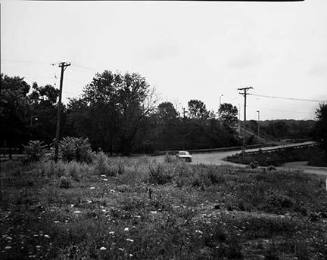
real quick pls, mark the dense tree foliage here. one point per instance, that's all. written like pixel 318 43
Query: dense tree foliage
pixel 26 113
pixel 321 126
pixel 117 113
pixel 14 111
pixel 197 109
pixel 43 112
pixel 228 114
pixel 112 110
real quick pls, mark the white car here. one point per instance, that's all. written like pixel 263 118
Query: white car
pixel 184 155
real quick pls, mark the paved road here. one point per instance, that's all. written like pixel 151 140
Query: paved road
pixel 217 158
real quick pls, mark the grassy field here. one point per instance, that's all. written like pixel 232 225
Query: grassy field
pixel 126 208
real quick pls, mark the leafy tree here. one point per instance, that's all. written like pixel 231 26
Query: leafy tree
pixel 43 112
pixel 167 111
pixel 228 114
pixel 321 126
pixel 197 109
pixel 115 107
pixel 14 111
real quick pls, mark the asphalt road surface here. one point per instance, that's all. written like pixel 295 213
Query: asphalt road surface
pixel 217 158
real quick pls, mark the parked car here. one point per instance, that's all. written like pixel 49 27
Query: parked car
pixel 184 155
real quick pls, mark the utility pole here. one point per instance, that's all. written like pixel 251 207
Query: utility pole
pixel 258 111
pixel 63 66
pixel 220 100
pixel 184 112
pixel 244 93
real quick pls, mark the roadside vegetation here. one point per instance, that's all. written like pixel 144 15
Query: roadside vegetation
pixel 136 208
pixel 119 113
pixel 314 155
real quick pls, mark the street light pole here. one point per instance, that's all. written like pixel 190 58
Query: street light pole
pixel 258 111
pixel 220 100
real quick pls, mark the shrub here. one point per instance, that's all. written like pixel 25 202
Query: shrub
pixel 120 167
pixel 158 174
pixel 183 174
pixel 34 150
pixel 103 165
pixel 170 158
pixel 73 148
pixel 65 182
pixel 280 201
pixel 77 170
pixel 207 176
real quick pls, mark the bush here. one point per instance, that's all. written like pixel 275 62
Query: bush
pixel 280 201
pixel 34 150
pixel 73 148
pixel 65 182
pixel 103 165
pixel 170 158
pixel 158 174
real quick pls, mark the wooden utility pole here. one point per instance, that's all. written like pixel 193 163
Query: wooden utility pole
pixel 63 66
pixel 244 93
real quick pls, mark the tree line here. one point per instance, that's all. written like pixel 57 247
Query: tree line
pixel 119 113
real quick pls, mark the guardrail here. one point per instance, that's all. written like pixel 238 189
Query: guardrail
pixel 273 149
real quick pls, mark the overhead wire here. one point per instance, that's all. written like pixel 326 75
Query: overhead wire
pixel 289 98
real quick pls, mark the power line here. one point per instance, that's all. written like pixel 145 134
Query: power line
pixel 288 98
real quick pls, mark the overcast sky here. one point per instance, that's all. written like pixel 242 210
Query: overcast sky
pixel 186 50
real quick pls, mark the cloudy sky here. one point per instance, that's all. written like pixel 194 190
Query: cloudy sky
pixel 186 50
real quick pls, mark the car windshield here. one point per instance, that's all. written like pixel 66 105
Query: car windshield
pixel 183 153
